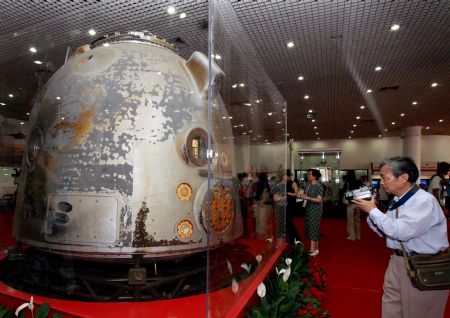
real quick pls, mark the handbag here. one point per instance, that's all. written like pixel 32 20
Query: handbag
pixel 427 271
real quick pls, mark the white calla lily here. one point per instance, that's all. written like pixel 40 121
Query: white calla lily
pixel 30 306
pixel 288 261
pixel 286 274
pixel 270 239
pixel 261 290
pixel 246 267
pixel 258 258
pixel 234 286
pixel 230 268
pixel 297 242
pixel 281 271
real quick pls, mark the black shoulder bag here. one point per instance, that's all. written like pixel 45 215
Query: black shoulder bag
pixel 426 271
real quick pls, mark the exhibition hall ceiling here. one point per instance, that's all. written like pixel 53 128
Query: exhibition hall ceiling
pixel 345 68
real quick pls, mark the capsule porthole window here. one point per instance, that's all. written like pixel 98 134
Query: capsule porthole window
pixel 197 146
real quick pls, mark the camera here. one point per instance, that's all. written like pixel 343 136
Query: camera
pixel 364 193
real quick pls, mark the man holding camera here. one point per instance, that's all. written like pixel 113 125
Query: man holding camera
pixel 422 228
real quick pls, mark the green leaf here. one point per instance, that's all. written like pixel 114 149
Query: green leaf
pixel 57 316
pixel 42 311
pixel 286 306
pixel 3 312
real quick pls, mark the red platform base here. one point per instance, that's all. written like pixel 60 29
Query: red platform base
pixel 222 303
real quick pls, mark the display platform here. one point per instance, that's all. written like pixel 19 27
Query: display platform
pixel 227 302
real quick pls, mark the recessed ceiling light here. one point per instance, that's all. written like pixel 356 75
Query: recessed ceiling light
pixel 3 104
pixel 317 133
pixel 369 91
pixel 427 127
pixel 402 114
pixel 385 129
pixel 290 44
pixel 279 122
pixel 393 123
pixel 318 138
pixel 354 125
pixel 37 62
pixel 414 103
pixel 28 114
pixel 224 117
pixel 182 15
pixel 306 97
pixel 247 104
pixel 434 84
pixel 395 27
pixel 379 136
pixel 362 106
pixel 10 95
pixel 310 111
pixel 58 98
pixel 441 120
pixel 349 137
pixel 313 121
pixel 218 57
pixel 378 68
pixel 241 85
pixel 234 85
pixel 171 10
pixel 301 78
pixel 351 131
pixel 230 117
pixel 22 123
pixel 270 114
pixel 92 32
pixel 33 49
pixel 315 127
pixel 358 117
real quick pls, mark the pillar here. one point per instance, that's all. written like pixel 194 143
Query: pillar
pixel 411 143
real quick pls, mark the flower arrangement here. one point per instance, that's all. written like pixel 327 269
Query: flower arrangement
pixel 294 290
pixel 41 312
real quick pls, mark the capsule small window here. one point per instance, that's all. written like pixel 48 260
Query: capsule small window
pixel 197 144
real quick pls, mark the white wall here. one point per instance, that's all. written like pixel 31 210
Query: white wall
pixel 356 153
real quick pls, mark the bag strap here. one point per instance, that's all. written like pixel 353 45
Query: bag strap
pixel 405 254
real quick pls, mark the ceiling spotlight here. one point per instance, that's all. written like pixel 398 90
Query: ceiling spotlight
pixel 378 68
pixel 310 111
pixel 58 98
pixel 92 32
pixel 395 27
pixel 28 114
pixel 301 78
pixel 393 123
pixel 354 125
pixel 315 127
pixel 414 103
pixel 349 137
pixel 434 84
pixel 351 131
pixel 379 136
pixel 402 114
pixel 10 95
pixel 218 57
pixel 385 129
pixel 182 15
pixel 290 44
pixel 37 62
pixel 313 121
pixel 306 97
pixel 171 10
pixel 33 49
pixel 22 123
pixel 369 91
pixel 362 107
pixel 279 122
pixel 270 114
pixel 317 133
pixel 247 104
pixel 234 85
pixel 241 85
pixel 441 120
pixel 428 127
pixel 3 104
pixel 358 117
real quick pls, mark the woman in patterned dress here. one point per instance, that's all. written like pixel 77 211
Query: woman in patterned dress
pixel 313 213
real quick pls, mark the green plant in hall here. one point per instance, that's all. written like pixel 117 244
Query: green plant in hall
pixel 294 290
pixel 41 312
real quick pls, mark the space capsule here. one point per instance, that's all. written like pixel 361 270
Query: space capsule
pixel 117 155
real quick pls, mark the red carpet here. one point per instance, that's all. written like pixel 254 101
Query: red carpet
pixel 355 270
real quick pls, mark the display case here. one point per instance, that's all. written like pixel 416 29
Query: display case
pixel 142 120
